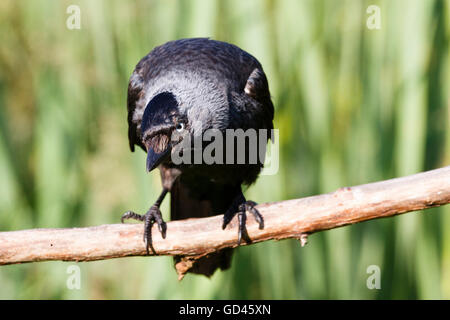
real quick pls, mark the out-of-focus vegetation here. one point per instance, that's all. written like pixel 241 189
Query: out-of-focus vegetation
pixel 353 106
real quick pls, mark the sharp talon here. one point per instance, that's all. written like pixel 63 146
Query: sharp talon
pixel 239 236
pixel 153 215
pixel 164 229
pixel 148 233
pixel 131 215
pixel 258 217
pixel 225 223
pixel 242 219
pixel 242 209
pixel 147 246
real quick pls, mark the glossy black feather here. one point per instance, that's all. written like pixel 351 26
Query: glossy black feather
pixel 218 85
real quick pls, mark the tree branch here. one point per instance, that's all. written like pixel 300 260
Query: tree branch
pixel 285 219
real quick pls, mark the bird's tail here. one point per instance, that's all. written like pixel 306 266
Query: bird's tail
pixel 184 206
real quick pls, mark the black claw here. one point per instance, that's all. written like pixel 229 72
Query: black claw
pixel 148 233
pixel 242 218
pixel 241 209
pixel 153 215
pixel 226 220
pixel 258 216
pixel 131 215
pixel 162 227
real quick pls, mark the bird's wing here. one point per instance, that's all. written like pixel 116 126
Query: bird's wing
pixel 257 88
pixel 135 92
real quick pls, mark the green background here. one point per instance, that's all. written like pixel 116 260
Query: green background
pixel 353 106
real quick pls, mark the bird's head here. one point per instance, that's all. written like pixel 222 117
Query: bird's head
pixel 163 126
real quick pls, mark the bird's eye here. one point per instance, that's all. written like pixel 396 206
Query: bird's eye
pixel 180 127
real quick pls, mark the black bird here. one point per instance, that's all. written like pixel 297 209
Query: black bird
pixel 185 87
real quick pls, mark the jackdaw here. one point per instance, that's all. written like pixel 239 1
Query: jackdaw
pixel 182 89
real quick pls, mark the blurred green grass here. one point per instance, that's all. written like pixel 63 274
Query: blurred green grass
pixel 353 106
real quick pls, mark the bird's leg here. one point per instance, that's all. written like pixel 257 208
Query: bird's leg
pixel 240 206
pixel 153 215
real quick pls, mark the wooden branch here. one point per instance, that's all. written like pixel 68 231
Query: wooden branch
pixel 285 219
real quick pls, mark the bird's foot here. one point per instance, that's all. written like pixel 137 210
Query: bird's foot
pixel 243 208
pixel 153 215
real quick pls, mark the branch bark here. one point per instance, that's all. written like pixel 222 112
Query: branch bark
pixel 286 219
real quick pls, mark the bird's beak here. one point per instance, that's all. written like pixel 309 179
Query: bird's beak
pixel 155 159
